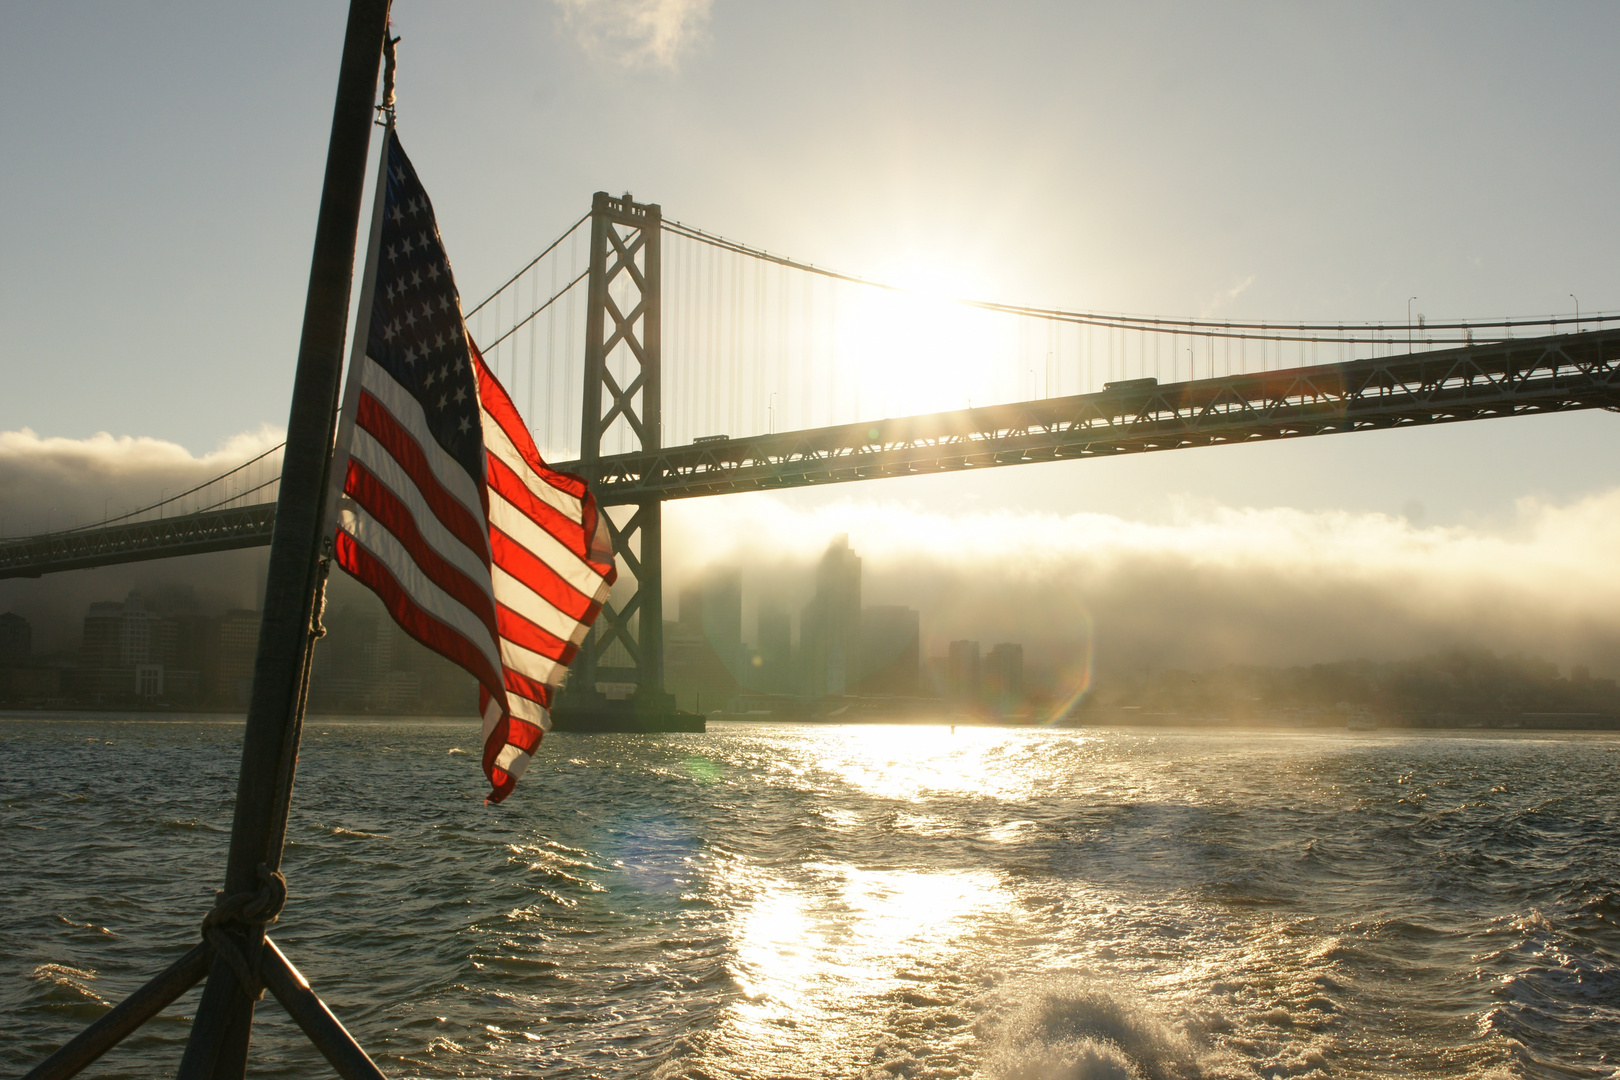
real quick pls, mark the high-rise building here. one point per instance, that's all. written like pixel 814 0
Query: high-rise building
pixel 890 644
pixel 704 663
pixel 129 652
pixel 711 609
pixel 238 646
pixel 962 673
pixel 774 673
pixel 830 625
pixel 1004 676
pixel 16 640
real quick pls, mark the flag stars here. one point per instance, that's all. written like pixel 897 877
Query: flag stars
pixel 398 217
pixel 461 393
pixel 465 426
pixel 416 277
pixel 405 245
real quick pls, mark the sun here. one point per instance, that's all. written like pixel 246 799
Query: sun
pixel 916 349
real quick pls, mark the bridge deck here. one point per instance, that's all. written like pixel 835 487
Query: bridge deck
pixel 1551 374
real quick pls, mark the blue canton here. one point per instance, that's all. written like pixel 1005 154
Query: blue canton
pixel 417 334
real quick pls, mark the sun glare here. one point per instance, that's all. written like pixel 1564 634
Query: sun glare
pixel 918 351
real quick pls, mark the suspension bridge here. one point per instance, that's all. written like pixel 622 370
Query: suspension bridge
pixel 661 362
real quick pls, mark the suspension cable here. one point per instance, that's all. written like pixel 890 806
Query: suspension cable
pixel 524 321
pixel 1157 324
pixel 566 234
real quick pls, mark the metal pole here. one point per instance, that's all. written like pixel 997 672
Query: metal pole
pixel 328 1034
pixel 220 1033
pixel 129 1014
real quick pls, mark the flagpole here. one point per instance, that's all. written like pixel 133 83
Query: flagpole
pixel 217 1049
pixel 357 343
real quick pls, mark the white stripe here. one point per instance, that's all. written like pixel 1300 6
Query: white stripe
pixel 513 760
pixel 530 664
pixel 370 534
pixel 380 463
pixel 499 443
pixel 408 411
pixel 545 547
pixel 532 711
pixel 492 716
pixel 532 606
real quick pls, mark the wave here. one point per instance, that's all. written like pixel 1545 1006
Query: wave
pixel 1067 1029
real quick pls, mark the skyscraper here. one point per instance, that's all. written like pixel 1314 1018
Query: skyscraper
pixel 830 626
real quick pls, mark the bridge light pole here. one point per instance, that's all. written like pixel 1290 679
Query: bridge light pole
pixel 1577 300
pixel 1409 300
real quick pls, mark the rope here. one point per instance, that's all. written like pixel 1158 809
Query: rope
pixel 245 909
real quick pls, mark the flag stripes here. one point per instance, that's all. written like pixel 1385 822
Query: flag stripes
pixel 447 512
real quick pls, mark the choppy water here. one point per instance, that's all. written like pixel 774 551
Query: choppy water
pixel 776 901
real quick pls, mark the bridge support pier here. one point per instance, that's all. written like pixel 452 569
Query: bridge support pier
pixel 621 413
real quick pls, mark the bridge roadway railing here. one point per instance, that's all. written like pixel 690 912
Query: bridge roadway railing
pixel 183 534
pixel 1551 374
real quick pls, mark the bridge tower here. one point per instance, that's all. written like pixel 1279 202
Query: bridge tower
pixel 622 414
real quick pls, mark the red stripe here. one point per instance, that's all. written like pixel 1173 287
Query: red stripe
pixel 601 553
pixel 524 735
pixel 519 683
pixel 534 572
pixel 510 486
pixel 433 633
pixel 403 448
pixel 520 631
pixel 396 517
pixel 500 781
pixel 499 407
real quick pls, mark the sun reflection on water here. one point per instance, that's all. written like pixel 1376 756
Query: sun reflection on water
pixel 813 956
pixel 910 762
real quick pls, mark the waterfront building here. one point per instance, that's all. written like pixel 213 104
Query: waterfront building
pixel 16 641
pixel 773 670
pixel 962 673
pixel 1004 676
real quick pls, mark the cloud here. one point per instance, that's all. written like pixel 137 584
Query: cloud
pixel 1214 585
pixel 1206 586
pixel 636 32
pixel 59 483
pixel 1225 297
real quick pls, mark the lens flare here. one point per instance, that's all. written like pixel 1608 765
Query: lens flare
pixel 1078 677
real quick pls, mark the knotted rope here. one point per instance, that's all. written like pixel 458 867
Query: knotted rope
pixel 247 909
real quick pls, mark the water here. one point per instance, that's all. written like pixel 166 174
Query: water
pixel 779 901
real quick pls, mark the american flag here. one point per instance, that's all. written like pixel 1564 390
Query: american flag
pixel 447 511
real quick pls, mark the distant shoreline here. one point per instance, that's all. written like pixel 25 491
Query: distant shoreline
pixel 1532 722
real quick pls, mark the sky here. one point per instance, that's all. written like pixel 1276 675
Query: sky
pixel 160 166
